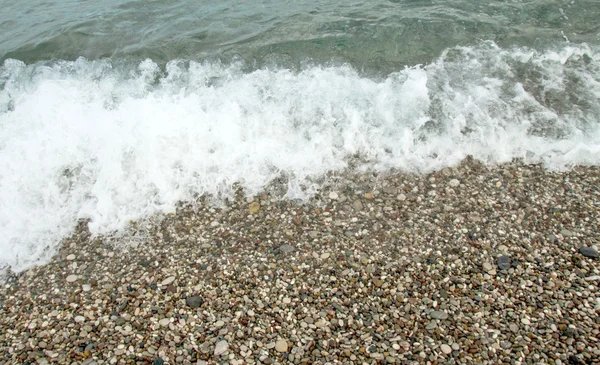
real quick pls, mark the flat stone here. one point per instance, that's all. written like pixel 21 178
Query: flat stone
pixel 286 248
pixel 194 301
pixel 72 278
pixel 446 349
pixel 525 321
pixel 487 266
pixel 503 262
pixel 79 319
pixel 401 197
pixel 71 257
pixel 593 278
pixel 588 252
pixel 438 315
pixel 566 233
pixel 454 183
pixel 333 195
pixel 167 281
pixel 325 255
pixel 164 322
pixel 286 300
pixel 221 347
pixel 281 346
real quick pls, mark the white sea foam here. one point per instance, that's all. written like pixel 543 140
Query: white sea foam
pixel 113 143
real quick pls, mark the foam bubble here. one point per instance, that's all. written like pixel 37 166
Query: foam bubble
pixel 112 142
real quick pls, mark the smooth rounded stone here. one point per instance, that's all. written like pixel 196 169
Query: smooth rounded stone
pixel 281 346
pixel 79 319
pixel 221 347
pixel 325 255
pixel 503 262
pixel 455 346
pixel 164 322
pixel 333 195
pixel 219 324
pixel 525 321
pixel 72 278
pixel 167 281
pixel 194 301
pixel 593 278
pixel 159 361
pixel 401 197
pixel 71 257
pixel 86 287
pixel 588 252
pixel 446 349
pixel 454 183
pixel 566 233
pixel 286 248
pixel 286 300
pixel 438 315
pixel 487 266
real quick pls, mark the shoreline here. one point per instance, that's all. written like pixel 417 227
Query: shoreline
pixel 478 264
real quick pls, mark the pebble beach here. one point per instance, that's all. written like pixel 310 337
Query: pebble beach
pixel 472 264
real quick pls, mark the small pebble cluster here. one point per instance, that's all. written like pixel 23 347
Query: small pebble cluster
pixel 467 265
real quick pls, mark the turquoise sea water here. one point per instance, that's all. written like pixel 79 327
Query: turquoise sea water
pixel 113 111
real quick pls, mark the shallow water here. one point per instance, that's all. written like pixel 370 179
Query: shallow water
pixel 114 111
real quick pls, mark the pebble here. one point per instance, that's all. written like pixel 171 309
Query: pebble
pixel 525 321
pixel 589 252
pixel 71 257
pixel 333 195
pixel 194 301
pixel 487 266
pixel 281 345
pixel 286 300
pixel 286 248
pixel 164 322
pixel 446 349
pixel 253 207
pixel 438 315
pixel 72 278
pixel 325 256
pixel 221 347
pixel 79 319
pixel 167 281
pixel 454 183
pixel 503 262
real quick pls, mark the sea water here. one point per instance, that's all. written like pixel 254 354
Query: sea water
pixel 114 111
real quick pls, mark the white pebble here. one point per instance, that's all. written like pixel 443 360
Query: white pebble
pixel 71 257
pixel 454 183
pixel 325 255
pixel 446 349
pixel 281 346
pixel 79 319
pixel 221 347
pixel 72 278
pixel 333 195
pixel 164 322
pixel 168 281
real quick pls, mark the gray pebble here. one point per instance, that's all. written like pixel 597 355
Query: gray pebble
pixel 503 262
pixel 194 302
pixel 589 252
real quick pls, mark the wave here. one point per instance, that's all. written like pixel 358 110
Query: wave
pixel 112 142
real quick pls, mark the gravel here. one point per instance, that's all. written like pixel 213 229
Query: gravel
pixel 496 266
